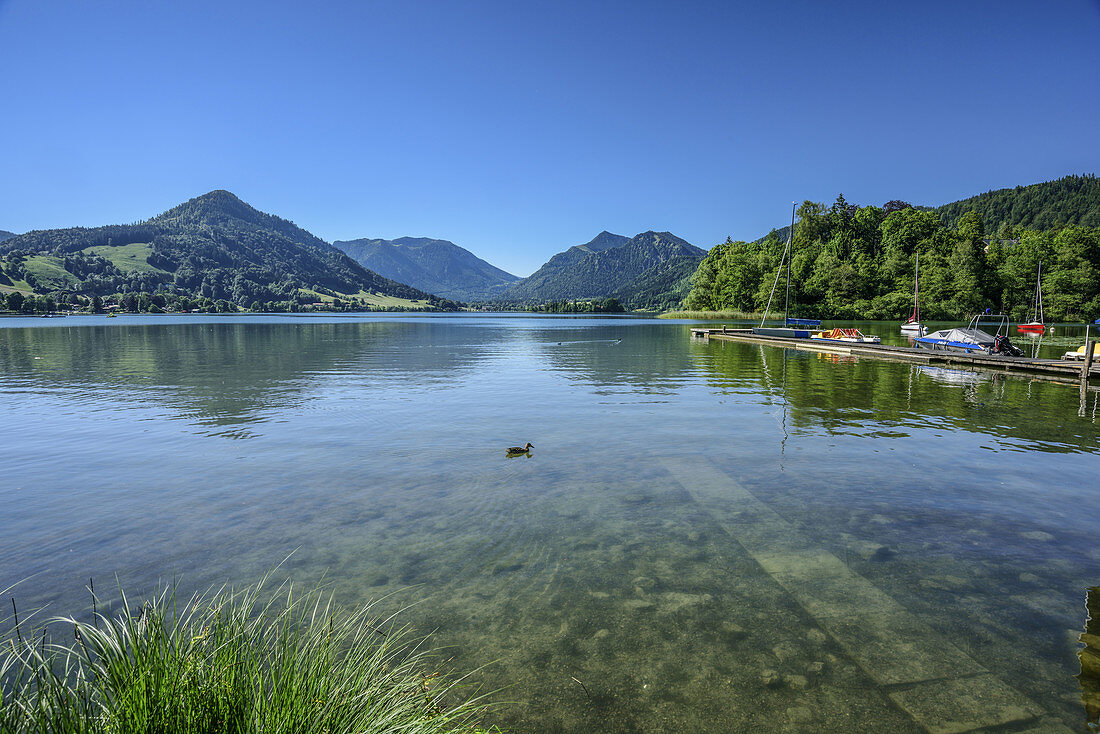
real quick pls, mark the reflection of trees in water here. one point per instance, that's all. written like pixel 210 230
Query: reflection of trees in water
pixel 650 358
pixel 229 373
pixel 1090 659
pixel 841 393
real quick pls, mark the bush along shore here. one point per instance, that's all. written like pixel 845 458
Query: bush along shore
pixel 229 661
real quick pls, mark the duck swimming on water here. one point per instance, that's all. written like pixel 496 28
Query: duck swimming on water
pixel 517 450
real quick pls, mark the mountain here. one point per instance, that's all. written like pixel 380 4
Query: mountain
pixel 1069 200
pixel 6 235
pixel 662 287
pixel 436 266
pixel 213 246
pixel 546 278
pixel 640 271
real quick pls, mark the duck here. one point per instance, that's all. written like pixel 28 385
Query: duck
pixel 517 450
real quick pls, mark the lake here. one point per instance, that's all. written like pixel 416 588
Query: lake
pixel 706 537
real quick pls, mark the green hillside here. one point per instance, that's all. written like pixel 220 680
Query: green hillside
pixel 214 247
pixel 1069 200
pixel 662 287
pixel 131 258
pixel 854 262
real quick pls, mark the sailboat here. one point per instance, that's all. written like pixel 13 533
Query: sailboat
pixel 785 330
pixel 913 325
pixel 1036 325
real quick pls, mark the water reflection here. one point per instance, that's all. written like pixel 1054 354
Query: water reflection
pixel 632 357
pixel 232 375
pixel 842 394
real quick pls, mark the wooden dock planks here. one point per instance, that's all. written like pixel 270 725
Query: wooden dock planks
pixel 1053 368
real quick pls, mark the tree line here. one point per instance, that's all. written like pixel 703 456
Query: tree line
pixel 859 262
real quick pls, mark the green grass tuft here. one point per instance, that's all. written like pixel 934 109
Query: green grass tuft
pixel 229 661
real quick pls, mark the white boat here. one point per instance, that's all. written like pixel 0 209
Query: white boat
pixel 972 340
pixel 913 325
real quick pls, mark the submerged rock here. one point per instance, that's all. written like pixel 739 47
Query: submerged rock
pixel 795 681
pixel 1038 535
pixel 731 632
pixel 883 553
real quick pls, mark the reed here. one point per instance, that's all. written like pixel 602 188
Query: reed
pixel 712 315
pixel 229 661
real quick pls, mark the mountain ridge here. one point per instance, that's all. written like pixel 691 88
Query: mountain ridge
pixel 1073 199
pixel 607 265
pixel 212 246
pixel 433 265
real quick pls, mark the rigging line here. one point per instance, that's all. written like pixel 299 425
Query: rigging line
pixel 790 236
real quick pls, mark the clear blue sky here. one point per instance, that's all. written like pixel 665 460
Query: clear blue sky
pixel 517 129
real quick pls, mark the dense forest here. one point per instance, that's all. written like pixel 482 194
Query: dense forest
pixel 853 262
pixel 1069 200
pixel 212 248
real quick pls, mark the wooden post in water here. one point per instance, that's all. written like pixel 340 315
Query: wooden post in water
pixel 1085 368
pixel 1088 356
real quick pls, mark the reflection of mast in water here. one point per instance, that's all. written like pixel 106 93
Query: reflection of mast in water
pixel 783 443
pixel 783 394
pixel 1089 678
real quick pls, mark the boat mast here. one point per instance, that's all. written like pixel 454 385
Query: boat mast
pixel 1039 294
pixel 916 291
pixel 790 237
pixel 790 240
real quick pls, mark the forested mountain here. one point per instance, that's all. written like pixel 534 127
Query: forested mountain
pixel 662 287
pixel 858 262
pixel 612 265
pixel 435 266
pixel 1069 200
pixel 547 276
pixel 214 247
pixel 6 235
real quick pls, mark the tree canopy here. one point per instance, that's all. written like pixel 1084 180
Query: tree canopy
pixel 853 262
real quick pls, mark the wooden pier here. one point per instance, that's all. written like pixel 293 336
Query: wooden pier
pixel 1056 369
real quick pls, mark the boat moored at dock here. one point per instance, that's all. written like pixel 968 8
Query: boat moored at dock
pixel 972 340
pixel 1036 325
pixel 848 335
pixel 913 325
pixel 789 330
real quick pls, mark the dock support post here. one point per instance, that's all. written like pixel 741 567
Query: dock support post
pixel 1086 368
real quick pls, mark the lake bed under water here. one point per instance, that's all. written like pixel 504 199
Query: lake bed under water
pixel 706 537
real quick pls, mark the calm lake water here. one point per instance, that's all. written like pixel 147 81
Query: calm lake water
pixel 707 537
